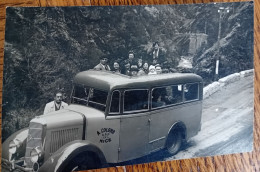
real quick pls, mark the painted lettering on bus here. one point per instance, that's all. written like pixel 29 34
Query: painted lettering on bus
pixel 105 134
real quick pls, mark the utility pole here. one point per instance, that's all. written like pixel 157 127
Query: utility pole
pixel 221 12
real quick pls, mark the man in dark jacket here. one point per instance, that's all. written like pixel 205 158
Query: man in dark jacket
pixel 156 55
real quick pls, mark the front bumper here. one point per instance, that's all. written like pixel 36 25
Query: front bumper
pixel 14 165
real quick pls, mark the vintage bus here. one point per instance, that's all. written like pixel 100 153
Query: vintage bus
pixel 112 118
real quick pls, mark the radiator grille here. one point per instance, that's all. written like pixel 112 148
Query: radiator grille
pixel 34 139
pixel 61 137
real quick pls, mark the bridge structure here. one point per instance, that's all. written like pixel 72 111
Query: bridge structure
pixel 196 40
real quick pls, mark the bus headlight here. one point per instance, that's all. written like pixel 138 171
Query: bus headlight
pixel 36 154
pixel 14 145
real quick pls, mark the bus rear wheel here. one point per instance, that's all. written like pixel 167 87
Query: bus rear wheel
pixel 174 142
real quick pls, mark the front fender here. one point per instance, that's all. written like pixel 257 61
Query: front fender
pixel 62 157
pixel 21 135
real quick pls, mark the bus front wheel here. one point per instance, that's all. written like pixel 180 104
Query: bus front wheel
pixel 83 161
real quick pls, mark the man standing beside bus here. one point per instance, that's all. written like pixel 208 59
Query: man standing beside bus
pixel 55 105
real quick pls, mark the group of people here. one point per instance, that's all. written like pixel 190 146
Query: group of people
pixel 132 66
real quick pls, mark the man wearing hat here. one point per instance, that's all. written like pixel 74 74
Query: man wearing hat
pixel 103 64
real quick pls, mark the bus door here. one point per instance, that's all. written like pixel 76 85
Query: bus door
pixel 134 125
pixel 165 110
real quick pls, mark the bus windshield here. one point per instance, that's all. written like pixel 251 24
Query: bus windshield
pixel 91 97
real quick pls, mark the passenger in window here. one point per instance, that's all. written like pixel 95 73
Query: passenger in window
pixel 191 91
pixel 167 95
pixel 176 95
pixel 171 95
pixel 157 100
pixel 55 105
pixel 103 64
pixel 160 102
pixel 152 70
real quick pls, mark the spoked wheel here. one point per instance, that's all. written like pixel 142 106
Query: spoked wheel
pixel 174 142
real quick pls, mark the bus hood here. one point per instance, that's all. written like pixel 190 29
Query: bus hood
pixel 89 112
pixel 59 119
pixel 71 116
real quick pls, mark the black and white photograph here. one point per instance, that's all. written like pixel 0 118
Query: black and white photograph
pixel 103 86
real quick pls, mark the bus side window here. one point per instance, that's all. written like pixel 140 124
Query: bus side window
pixel 177 93
pixel 135 100
pixel 115 102
pixel 80 95
pixel 173 94
pixel 97 99
pixel 191 91
pixel 158 97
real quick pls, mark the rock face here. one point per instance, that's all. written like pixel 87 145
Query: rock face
pixel 46 47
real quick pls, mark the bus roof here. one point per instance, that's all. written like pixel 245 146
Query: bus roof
pixel 106 80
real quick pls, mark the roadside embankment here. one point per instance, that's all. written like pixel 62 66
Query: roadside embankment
pixel 217 85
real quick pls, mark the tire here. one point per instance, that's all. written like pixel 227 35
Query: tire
pixel 82 162
pixel 174 142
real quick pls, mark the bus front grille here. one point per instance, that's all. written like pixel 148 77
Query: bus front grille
pixel 34 140
pixel 61 137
